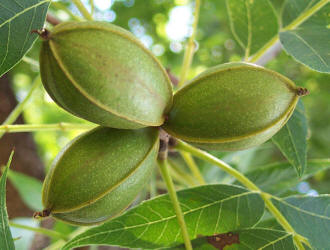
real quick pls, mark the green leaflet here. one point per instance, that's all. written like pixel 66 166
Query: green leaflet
pixel 207 210
pixel 309 42
pixel 309 216
pixel 17 19
pixel 6 240
pixel 253 23
pixel 292 139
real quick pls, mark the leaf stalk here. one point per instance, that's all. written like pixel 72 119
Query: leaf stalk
pixel 82 9
pixel 174 198
pixel 44 231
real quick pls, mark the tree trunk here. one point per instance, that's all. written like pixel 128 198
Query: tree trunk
pixel 25 160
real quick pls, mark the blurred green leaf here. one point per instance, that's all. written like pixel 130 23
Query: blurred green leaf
pixel 309 216
pixel 29 189
pixel 6 240
pixel 292 139
pixel 207 209
pixel 309 42
pixel 278 177
pixel 253 23
pixel 18 18
pixel 252 238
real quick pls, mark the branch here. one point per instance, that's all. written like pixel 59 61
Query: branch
pixel 81 7
pixel 44 127
pixel 44 231
pixel 189 53
pixel 271 53
pixel 52 20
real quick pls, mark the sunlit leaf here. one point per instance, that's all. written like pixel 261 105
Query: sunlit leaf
pixel 17 19
pixel 207 210
pixel 309 42
pixel 253 23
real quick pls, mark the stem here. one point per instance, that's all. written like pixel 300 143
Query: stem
pixel 264 49
pixel 189 53
pixel 60 243
pixel 50 233
pixel 172 193
pixel 153 187
pixel 246 182
pixel 60 6
pixel 20 107
pixel 44 127
pixel 178 177
pixel 83 10
pixel 91 3
pixel 193 167
pixel 294 24
pixel 224 166
pixel 30 61
pixel 183 174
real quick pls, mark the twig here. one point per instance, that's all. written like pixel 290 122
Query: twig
pixel 81 7
pixel 41 230
pixel 189 53
pixel 44 127
pixel 271 53
pixel 52 20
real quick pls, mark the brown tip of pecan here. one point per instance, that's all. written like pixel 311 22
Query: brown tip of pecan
pixel 44 33
pixel 42 214
pixel 302 91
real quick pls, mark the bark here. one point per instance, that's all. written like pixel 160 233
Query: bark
pixel 26 160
